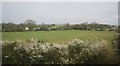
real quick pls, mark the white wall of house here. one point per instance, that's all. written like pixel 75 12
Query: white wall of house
pixel 26 28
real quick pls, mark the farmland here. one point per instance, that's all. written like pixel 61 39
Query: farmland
pixel 58 35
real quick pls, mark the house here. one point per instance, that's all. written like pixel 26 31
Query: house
pixel 53 28
pixel 26 28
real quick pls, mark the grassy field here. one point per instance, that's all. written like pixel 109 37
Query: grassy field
pixel 58 36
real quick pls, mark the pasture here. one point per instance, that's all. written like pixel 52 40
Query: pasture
pixel 58 36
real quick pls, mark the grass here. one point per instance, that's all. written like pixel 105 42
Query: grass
pixel 58 36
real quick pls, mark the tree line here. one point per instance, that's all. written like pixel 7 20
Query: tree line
pixel 30 25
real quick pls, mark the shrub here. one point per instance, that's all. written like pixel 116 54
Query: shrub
pixel 41 52
pixel 116 43
pixel 94 52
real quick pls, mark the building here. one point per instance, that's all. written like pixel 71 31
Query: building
pixel 26 28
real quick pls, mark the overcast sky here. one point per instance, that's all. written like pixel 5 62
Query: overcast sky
pixel 59 0
pixel 60 12
pixel 0 12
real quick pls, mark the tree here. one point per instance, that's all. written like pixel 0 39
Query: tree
pixel 66 26
pixel 76 27
pixel 9 27
pixel 30 23
pixel 44 27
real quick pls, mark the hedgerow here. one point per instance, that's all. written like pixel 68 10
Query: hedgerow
pixel 42 52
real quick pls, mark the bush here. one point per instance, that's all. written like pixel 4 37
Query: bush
pixel 41 52
pixel 116 43
pixel 91 52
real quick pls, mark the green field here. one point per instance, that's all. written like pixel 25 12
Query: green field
pixel 58 36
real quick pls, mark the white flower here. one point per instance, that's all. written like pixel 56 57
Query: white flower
pixel 15 48
pixel 6 56
pixel 40 56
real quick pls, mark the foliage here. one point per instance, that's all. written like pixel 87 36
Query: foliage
pixel 11 27
pixel 30 23
pixel 41 52
pixel 116 42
